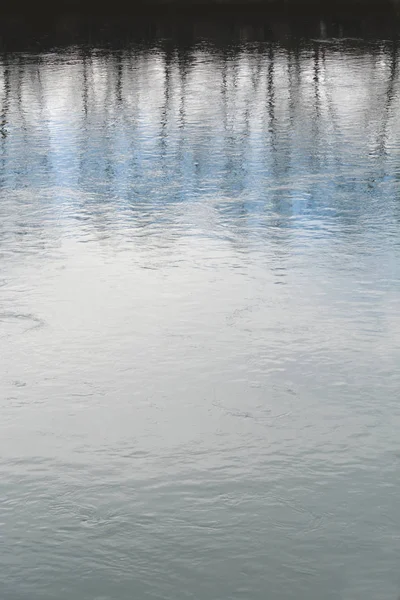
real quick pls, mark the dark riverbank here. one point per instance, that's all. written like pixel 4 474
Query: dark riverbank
pixel 36 32
pixel 44 23
pixel 95 7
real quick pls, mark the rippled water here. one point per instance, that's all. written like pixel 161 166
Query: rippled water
pixel 199 322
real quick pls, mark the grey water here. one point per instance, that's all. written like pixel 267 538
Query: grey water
pixel 199 321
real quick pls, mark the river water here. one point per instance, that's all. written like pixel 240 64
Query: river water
pixel 199 321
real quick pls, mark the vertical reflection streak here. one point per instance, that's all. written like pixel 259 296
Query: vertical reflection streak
pixel 166 104
pixel 389 97
pixel 271 99
pixel 4 119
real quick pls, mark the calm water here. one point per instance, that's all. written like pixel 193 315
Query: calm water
pixel 199 321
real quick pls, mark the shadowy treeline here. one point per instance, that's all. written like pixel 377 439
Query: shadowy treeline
pixel 38 31
pixel 198 7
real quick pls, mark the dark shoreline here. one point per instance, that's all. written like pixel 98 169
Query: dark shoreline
pixel 43 8
pixel 43 32
pixel 44 25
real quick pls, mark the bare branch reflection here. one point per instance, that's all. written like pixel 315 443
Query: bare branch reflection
pixel 254 128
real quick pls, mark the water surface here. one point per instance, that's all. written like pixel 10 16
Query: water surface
pixel 199 321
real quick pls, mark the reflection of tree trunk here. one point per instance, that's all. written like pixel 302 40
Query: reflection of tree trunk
pixel 6 101
pixel 224 92
pixel 183 68
pixel 132 103
pixel 315 151
pixel 83 155
pixel 294 91
pixel 374 83
pixel 4 118
pixel 316 79
pixel 292 88
pixel 27 140
pixel 333 117
pixel 85 85
pixel 271 99
pixel 42 102
pixel 382 134
pixel 256 76
pixel 328 96
pixel 225 115
pixel 109 125
pixel 166 105
pixel 19 97
pixel 118 91
pixel 276 198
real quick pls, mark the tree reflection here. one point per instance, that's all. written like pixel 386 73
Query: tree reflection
pixel 258 129
pixel 271 98
pixel 4 118
pixel 389 98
